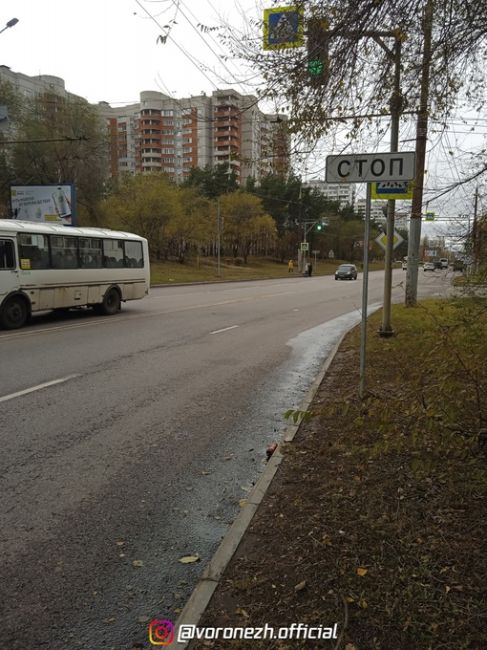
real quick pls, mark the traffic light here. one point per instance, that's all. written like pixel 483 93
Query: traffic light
pixel 320 226
pixel 318 62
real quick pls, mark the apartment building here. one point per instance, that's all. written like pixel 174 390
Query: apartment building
pixel 171 135
pixel 377 209
pixel 342 193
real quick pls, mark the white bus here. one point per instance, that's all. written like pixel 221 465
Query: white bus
pixel 48 266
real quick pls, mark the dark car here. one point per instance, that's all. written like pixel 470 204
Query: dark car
pixel 346 272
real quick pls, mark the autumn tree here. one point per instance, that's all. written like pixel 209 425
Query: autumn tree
pixel 60 140
pixel 245 223
pixel 192 227
pixel 145 205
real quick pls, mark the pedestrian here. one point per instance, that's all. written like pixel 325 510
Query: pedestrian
pixel 290 266
pixel 310 269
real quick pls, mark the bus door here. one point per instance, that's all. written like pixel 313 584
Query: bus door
pixel 9 274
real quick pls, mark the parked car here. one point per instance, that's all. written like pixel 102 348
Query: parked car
pixel 444 262
pixel 404 266
pixel 437 264
pixel 429 266
pixel 346 272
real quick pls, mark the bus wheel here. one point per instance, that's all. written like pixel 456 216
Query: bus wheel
pixel 13 314
pixel 111 302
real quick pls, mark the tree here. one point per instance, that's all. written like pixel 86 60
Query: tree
pixel 192 226
pixel 212 181
pixel 145 205
pixel 61 140
pixel 245 222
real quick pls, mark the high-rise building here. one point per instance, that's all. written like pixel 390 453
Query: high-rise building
pixel 175 135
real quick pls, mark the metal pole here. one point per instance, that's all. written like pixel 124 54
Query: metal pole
pixel 218 236
pixel 365 287
pixel 475 233
pixel 395 104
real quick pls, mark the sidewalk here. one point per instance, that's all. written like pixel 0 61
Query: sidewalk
pixel 361 536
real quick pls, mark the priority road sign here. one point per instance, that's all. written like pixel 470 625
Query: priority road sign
pixel 395 190
pixel 382 240
pixel 370 167
pixel 283 28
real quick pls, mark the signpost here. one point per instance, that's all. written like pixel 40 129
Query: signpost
pixel 369 168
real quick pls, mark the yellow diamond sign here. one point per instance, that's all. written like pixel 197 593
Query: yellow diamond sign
pixel 382 240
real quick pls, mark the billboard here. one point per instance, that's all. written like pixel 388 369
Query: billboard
pixel 43 203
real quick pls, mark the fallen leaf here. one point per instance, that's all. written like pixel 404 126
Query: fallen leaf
pixel 447 588
pixel 242 612
pixel 350 646
pixel 120 543
pixel 242 502
pixel 300 586
pixel 349 599
pixel 137 563
pixel 189 559
pixel 362 603
pixel 361 571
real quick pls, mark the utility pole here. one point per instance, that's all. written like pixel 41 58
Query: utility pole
pixel 421 138
pixel 396 107
pixel 475 233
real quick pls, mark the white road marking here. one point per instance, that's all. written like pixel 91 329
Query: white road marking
pixel 19 393
pixel 225 329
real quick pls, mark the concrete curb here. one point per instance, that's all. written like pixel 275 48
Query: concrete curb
pixel 208 582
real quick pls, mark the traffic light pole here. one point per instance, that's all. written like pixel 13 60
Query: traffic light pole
pixel 305 232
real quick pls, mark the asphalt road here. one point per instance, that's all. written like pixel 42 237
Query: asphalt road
pixel 128 442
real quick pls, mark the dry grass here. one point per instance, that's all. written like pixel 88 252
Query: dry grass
pixel 378 508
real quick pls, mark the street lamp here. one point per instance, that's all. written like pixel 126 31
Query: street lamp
pixel 11 23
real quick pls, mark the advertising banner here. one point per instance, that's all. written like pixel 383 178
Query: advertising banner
pixel 43 203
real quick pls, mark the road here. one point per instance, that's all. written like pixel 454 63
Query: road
pixel 128 442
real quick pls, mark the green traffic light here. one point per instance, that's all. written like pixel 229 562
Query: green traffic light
pixel 315 67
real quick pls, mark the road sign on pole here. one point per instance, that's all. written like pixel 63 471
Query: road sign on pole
pixel 393 190
pixel 382 240
pixel 370 167
pixel 283 28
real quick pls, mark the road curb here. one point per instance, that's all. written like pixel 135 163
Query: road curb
pixel 208 582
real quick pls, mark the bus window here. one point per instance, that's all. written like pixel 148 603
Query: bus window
pixel 33 251
pixel 134 257
pixel 7 256
pixel 113 253
pixel 90 253
pixel 64 252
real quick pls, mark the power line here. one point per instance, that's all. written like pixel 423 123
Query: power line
pixel 186 54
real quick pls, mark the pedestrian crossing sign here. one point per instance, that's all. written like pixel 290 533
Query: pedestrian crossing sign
pixel 283 28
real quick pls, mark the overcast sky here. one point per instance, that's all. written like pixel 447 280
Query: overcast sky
pixel 108 50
